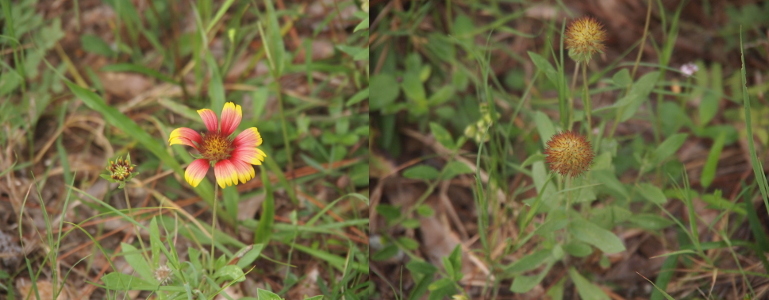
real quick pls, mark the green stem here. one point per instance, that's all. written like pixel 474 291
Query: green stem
pixel 213 226
pixel 586 102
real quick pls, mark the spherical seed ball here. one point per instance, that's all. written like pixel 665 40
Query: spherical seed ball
pixel 584 37
pixel 569 153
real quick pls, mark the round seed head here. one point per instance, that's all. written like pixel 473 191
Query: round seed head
pixel 584 37
pixel 569 153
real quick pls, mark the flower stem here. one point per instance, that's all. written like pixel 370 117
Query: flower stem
pixel 213 226
pixel 586 101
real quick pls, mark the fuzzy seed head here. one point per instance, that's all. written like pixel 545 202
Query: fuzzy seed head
pixel 584 37
pixel 163 274
pixel 569 153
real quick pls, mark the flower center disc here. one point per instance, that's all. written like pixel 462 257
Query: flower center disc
pixel 215 147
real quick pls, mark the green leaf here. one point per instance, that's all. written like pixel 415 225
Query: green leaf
pixel 622 78
pixel 358 97
pixel 421 267
pixel 252 253
pixel 610 181
pixel 709 170
pixel 595 235
pixel 652 193
pixel 421 172
pixel 94 44
pixel 136 260
pixel 386 91
pixel 362 25
pixel 544 66
pixel 266 295
pixel 442 136
pixel 408 243
pixel 230 273
pixel 668 147
pixel 415 92
pixel 273 41
pixel 454 168
pixel 388 211
pixel 387 252
pixel 529 262
pixel 544 127
pixel 708 107
pixel 441 95
pixel 215 85
pixel 586 289
pixel 637 95
pixel 578 249
pixel 263 231
pixel 522 284
pixel 123 282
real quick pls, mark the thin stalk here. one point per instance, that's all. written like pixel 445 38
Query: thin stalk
pixel 213 225
pixel 586 102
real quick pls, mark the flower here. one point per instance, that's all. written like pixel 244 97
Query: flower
pixel 689 69
pixel 231 157
pixel 584 37
pixel 163 274
pixel 120 171
pixel 569 153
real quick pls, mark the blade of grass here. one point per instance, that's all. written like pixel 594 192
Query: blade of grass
pixel 758 169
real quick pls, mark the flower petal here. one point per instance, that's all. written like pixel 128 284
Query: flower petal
pixel 196 171
pixel 250 155
pixel 232 114
pixel 249 137
pixel 226 174
pixel 245 170
pixel 185 136
pixel 209 118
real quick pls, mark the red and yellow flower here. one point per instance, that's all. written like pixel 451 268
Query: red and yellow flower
pixel 231 157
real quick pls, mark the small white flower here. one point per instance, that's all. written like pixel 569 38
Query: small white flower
pixel 163 274
pixel 689 69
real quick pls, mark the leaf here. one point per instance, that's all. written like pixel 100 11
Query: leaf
pixel 421 172
pixel 454 168
pixel 415 92
pixel 442 136
pixel 362 25
pixel 586 289
pixel 388 211
pixel 421 267
pixel 595 235
pixel 94 44
pixel 709 170
pixel 622 78
pixel 215 85
pixel 529 262
pixel 668 147
pixel 266 295
pixel 386 91
pixel 544 127
pixel 708 107
pixel 123 282
pixel 637 95
pixel 610 181
pixel 522 284
pixel 358 97
pixel 544 66
pixel 135 259
pixel 230 273
pixel 250 256
pixel 652 193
